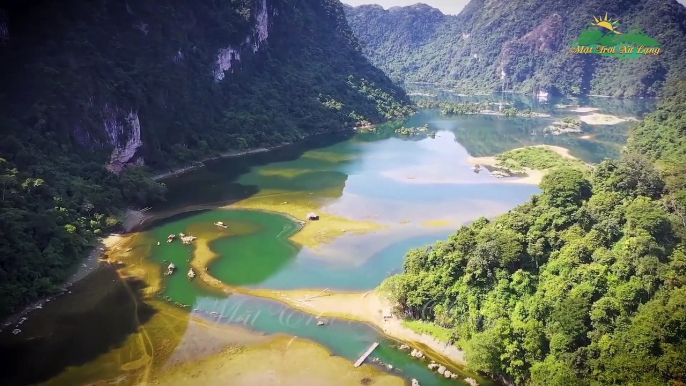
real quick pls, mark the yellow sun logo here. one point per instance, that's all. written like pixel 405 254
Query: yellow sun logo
pixel 607 23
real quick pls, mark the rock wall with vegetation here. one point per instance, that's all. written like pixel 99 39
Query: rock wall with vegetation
pixel 583 285
pixel 90 89
pixel 521 46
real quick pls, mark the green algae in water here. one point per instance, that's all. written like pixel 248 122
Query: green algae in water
pixel 253 247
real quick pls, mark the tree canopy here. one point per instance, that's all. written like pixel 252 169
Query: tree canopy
pixel 583 284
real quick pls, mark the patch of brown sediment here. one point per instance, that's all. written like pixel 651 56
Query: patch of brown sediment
pixel 130 255
pixel 204 338
pixel 333 158
pixel 282 361
pixel 171 337
pixel 297 205
pixel 366 307
pixel 604 119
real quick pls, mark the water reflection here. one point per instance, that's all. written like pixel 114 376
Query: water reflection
pixel 98 316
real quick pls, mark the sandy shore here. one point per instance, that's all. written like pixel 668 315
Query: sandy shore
pixel 604 119
pixel 366 307
pixel 533 177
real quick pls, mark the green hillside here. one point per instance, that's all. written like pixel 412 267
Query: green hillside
pixel 91 86
pixel 584 284
pixel 524 46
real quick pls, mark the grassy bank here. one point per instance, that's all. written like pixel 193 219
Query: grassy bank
pixel 538 158
pixel 422 327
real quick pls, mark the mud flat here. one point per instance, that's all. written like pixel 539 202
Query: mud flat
pixel 282 361
pixel 604 119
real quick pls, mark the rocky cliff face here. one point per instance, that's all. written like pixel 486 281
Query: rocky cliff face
pixel 258 35
pixel 135 82
pixel 124 134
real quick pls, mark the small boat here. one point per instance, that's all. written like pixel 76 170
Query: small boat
pixel 221 224
pixel 171 268
pixel 182 235
pixel 191 274
pixel 170 238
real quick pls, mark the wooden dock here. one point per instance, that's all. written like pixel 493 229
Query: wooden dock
pixel 366 354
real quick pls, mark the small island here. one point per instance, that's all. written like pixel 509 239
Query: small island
pixel 411 131
pixel 531 163
pixel 568 125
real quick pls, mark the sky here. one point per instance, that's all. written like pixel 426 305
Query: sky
pixel 450 7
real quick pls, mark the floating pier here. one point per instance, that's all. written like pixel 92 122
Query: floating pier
pixel 366 354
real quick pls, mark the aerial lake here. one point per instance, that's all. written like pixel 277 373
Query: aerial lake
pixel 377 194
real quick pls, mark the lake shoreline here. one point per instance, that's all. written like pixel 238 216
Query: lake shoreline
pixel 365 307
pixel 533 176
pixel 87 266
pixel 231 154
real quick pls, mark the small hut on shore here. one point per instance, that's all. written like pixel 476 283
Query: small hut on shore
pixel 312 216
pixel 187 240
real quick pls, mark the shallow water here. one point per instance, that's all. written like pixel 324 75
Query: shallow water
pixel 343 338
pixel 416 190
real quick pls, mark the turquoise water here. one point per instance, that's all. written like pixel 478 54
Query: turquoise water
pixel 419 189
pixel 345 339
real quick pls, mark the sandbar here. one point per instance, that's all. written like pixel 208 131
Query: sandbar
pixel 322 231
pixel 604 119
pixel 584 109
pixel 367 307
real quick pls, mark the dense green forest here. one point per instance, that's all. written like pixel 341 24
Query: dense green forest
pixel 521 46
pixel 582 285
pixel 89 83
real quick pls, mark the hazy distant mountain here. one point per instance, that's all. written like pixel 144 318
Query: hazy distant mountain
pixel 521 45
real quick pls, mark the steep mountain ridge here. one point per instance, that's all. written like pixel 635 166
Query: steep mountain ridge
pixel 523 46
pixel 89 84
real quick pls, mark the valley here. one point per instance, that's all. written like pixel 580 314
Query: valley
pixel 258 192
